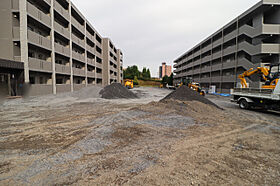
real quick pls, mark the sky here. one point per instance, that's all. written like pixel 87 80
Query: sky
pixel 150 32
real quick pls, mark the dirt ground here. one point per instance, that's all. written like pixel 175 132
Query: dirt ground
pixel 61 140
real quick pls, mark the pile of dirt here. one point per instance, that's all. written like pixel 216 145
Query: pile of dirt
pixel 115 91
pixel 186 94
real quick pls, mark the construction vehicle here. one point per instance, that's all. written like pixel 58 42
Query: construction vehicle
pixel 267 97
pixel 128 83
pixel 196 87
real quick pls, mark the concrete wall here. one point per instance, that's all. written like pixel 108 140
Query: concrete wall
pixel 40 89
pixel 6 34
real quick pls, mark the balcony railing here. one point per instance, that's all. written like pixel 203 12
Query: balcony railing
pixel 76 24
pixel 63 69
pixel 37 39
pixel 78 72
pixel 78 56
pixel 39 65
pixel 62 49
pixel 63 12
pixel 38 14
pixel 91 74
pixel 78 41
pixel 61 30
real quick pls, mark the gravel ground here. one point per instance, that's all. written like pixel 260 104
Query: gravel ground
pixel 80 138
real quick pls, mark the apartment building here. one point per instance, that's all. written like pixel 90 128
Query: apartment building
pixel 250 40
pixel 165 70
pixel 112 64
pixel 59 48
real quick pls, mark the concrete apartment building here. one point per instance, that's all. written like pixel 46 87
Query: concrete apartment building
pixel 249 41
pixel 165 70
pixel 59 48
pixel 112 62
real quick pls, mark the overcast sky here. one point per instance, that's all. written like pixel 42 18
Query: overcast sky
pixel 153 31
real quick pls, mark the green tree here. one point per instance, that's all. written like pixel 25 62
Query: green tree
pixel 135 80
pixel 170 80
pixel 164 80
pixel 148 74
pixel 130 72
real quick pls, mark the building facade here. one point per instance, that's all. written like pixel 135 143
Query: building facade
pixel 59 48
pixel 249 41
pixel 165 70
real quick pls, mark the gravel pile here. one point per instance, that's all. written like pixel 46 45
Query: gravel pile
pixel 115 91
pixel 186 94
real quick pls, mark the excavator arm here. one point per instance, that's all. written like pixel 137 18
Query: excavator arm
pixel 260 70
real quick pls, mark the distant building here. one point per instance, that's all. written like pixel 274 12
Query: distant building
pixel 251 40
pixel 165 70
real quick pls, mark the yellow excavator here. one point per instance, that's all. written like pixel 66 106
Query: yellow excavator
pixel 128 83
pixel 196 87
pixel 269 74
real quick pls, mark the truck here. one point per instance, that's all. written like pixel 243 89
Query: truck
pixel 267 97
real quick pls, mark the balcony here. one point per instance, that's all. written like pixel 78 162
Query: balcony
pixel 216 67
pixel 206 59
pixel 229 78
pixel 39 65
pixel 230 36
pixel 217 43
pixel 215 79
pixel 62 49
pixel 78 56
pixel 63 12
pixel 90 49
pixel 196 54
pixel 79 72
pixel 90 37
pixel 62 69
pixel 61 30
pixel 197 62
pixel 196 71
pixel 205 80
pixel 271 29
pixel 78 41
pixel 216 55
pixel 99 75
pixel 76 24
pixel 229 50
pixel 99 65
pixel 206 69
pixel 38 15
pixel 207 48
pixel 270 48
pixel 91 61
pixel 228 65
pixel 91 74
pixel 37 39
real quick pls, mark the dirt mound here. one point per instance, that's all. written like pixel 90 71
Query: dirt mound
pixel 186 94
pixel 115 91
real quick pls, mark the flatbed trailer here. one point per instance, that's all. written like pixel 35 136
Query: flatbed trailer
pixel 257 98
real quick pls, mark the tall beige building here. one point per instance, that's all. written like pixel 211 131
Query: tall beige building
pixel 165 70
pixel 59 48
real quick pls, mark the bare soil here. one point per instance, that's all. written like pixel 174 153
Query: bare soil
pixel 83 140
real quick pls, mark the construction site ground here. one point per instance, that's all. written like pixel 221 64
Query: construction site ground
pixel 61 140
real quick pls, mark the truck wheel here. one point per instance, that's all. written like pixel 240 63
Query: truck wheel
pixel 243 104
